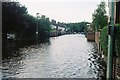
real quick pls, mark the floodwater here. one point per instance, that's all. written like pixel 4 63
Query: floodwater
pixel 67 56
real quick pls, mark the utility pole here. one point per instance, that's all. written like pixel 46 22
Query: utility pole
pixel 85 28
pixel 110 43
pixel 37 30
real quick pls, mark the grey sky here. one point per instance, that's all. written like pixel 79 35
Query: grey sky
pixel 63 10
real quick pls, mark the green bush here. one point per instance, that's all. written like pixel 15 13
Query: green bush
pixel 104 40
pixel 117 39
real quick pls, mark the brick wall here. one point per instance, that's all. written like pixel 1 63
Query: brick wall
pixel 97 35
pixel 90 36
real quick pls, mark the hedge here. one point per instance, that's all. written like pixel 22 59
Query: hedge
pixel 117 39
pixel 104 40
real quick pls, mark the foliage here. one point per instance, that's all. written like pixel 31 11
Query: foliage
pixel 76 27
pixel 117 39
pixel 99 18
pixel 12 16
pixel 104 40
pixel 44 24
pixel 29 30
pixel 16 20
pixel 44 27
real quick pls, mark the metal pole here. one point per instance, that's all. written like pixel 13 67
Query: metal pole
pixel 110 44
pixel 37 32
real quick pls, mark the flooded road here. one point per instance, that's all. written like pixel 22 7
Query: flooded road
pixel 67 56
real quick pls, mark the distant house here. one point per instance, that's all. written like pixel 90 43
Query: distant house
pixel 61 28
pixel 53 27
pixel 57 26
pixel 89 28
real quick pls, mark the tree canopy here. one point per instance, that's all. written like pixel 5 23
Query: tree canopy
pixel 76 27
pixel 99 16
pixel 16 19
pixel 12 16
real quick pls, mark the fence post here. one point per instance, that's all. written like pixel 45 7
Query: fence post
pixel 110 43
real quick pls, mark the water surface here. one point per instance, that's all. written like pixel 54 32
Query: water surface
pixel 67 56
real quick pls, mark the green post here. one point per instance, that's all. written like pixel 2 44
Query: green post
pixel 110 44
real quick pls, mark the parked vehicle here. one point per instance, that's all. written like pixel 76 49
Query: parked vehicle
pixel 11 36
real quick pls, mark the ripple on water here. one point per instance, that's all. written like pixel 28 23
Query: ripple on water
pixel 69 56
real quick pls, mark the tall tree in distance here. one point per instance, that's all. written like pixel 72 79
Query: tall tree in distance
pixel 43 28
pixel 99 17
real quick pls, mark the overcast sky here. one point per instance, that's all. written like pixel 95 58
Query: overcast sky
pixel 63 10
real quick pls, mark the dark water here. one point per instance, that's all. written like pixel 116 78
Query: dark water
pixel 67 56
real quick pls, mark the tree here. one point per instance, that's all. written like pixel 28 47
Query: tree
pixel 16 20
pixel 29 29
pixel 12 16
pixel 99 16
pixel 76 27
pixel 44 27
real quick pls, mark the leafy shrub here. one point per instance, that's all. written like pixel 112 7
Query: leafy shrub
pixel 104 40
pixel 117 39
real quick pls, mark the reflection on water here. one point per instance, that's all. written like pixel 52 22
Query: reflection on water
pixel 68 56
